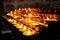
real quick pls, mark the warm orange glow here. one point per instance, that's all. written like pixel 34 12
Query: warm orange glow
pixel 30 15
pixel 29 32
pixel 29 9
pixel 10 20
pixel 15 16
pixel 28 20
pixel 22 18
pixel 24 28
pixel 11 12
pixel 25 9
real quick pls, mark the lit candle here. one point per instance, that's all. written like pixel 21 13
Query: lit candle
pixel 30 15
pixel 11 12
pixel 26 19
pixel 48 18
pixel 22 18
pixel 29 9
pixel 8 14
pixel 10 20
pixel 19 26
pixel 25 15
pixel 15 10
pixel 29 19
pixel 14 22
pixel 15 16
pixel 19 8
pixel 25 9
pixel 24 28
pixel 28 32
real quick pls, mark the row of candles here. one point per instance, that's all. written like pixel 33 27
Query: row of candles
pixel 49 17
pixel 23 28
pixel 32 13
pixel 30 17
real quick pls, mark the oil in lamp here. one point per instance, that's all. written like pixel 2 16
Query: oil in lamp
pixel 19 26
pixel 10 20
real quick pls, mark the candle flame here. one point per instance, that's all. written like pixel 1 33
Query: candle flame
pixel 11 12
pixel 47 18
pixel 21 25
pixel 29 9
pixel 22 18
pixel 8 14
pixel 25 8
pixel 29 20
pixel 24 27
pixel 28 31
pixel 19 8
pixel 15 16
pixel 15 9
pixel 10 20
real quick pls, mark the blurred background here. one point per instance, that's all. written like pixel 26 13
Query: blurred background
pixel 9 5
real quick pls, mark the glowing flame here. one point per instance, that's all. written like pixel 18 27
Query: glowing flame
pixel 11 12
pixel 15 10
pixel 24 28
pixel 28 32
pixel 29 9
pixel 48 18
pixel 25 8
pixel 22 18
pixel 26 19
pixel 10 20
pixel 19 8
pixel 21 25
pixel 8 14
pixel 14 22
pixel 29 20
pixel 15 16
pixel 30 15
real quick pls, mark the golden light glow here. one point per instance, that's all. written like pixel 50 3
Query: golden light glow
pixel 48 18
pixel 10 20
pixel 28 20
